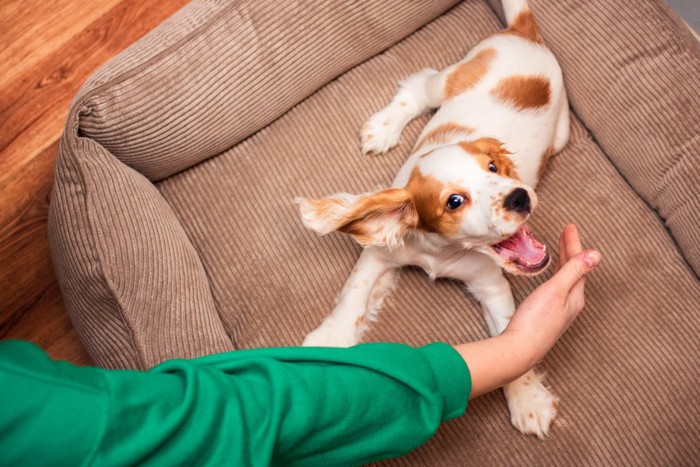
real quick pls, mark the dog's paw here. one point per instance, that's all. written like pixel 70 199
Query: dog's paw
pixel 381 132
pixel 331 334
pixel 532 406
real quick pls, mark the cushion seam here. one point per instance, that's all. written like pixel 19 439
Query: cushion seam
pixel 217 306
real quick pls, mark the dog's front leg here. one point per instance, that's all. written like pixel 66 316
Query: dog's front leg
pixel 415 95
pixel 532 407
pixel 358 302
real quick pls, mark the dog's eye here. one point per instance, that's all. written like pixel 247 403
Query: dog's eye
pixel 492 167
pixel 455 201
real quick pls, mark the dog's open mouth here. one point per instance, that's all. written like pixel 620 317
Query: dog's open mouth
pixel 524 251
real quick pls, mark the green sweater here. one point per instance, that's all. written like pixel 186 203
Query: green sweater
pixel 280 406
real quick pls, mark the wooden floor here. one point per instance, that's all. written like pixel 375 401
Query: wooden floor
pixel 48 49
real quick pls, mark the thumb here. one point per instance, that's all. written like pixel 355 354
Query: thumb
pixel 576 268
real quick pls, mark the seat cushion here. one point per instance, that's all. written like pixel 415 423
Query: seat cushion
pixel 623 372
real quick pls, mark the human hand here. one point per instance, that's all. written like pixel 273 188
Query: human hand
pixel 542 318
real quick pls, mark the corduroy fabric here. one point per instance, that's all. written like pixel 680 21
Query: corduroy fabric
pixel 133 284
pixel 623 370
pixel 236 256
pixel 244 65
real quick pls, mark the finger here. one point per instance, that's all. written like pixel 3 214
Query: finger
pixel 576 299
pixel 563 258
pixel 575 269
pixel 572 240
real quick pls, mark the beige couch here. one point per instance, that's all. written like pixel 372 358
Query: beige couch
pixel 173 231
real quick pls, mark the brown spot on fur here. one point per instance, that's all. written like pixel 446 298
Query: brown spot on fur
pixel 441 134
pixel 523 92
pixel 466 75
pixel 525 26
pixel 430 198
pixel 555 404
pixel 487 150
pixel 544 161
pixel 531 416
pixel 360 321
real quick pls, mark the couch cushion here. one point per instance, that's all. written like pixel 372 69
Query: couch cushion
pixel 134 286
pixel 226 69
pixel 627 384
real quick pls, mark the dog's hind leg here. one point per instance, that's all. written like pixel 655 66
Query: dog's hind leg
pixel 357 304
pixel 416 95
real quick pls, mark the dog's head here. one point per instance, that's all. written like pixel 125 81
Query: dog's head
pixel 466 193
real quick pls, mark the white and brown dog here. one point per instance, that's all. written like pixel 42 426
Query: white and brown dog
pixel 458 205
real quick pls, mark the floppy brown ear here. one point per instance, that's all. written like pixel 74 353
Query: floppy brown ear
pixel 380 218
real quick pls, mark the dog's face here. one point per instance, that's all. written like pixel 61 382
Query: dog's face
pixel 467 193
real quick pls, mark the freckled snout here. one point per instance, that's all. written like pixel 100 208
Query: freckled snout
pixel 518 200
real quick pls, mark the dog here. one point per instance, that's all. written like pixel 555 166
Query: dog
pixel 458 206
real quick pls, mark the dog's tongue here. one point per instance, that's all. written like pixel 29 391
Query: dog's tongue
pixel 524 250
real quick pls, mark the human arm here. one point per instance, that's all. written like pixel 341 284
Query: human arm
pixel 285 406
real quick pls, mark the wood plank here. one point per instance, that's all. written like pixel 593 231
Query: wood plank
pixel 33 106
pixel 32 29
pixel 60 44
pixel 26 266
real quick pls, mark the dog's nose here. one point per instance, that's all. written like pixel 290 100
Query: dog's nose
pixel 518 201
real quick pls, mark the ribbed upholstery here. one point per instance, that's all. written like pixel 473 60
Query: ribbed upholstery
pixel 271 279
pixel 214 256
pixel 274 281
pixel 134 285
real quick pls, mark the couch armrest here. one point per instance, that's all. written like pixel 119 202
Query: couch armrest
pixel 132 282
pixel 185 96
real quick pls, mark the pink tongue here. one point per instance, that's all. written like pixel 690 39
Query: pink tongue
pixel 523 248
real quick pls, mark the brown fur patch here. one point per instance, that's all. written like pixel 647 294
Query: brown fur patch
pixel 523 92
pixel 441 133
pixel 525 26
pixel 430 198
pixel 487 150
pixel 467 74
pixel 544 161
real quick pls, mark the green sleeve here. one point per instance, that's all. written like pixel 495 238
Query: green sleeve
pixel 282 406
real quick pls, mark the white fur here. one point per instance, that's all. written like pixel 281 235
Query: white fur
pixel 526 134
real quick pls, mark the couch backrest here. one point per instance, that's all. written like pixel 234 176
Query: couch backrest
pixel 223 73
